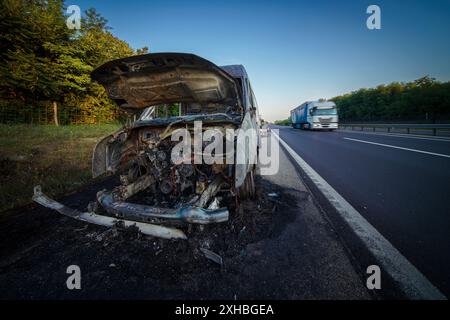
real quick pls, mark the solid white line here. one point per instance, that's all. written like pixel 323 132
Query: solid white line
pixel 398 135
pixel 401 148
pixel 410 280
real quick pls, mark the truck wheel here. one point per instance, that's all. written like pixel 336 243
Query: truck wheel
pixel 247 190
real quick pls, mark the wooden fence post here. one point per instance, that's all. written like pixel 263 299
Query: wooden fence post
pixel 55 113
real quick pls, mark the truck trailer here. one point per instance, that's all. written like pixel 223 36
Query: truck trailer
pixel 315 115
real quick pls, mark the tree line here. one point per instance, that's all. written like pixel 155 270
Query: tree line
pixel 423 100
pixel 45 66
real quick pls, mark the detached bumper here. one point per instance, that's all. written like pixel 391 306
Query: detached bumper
pixel 127 212
pixel 189 214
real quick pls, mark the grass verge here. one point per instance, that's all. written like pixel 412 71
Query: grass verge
pixel 57 158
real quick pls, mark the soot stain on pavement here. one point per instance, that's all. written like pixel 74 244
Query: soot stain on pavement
pixel 38 245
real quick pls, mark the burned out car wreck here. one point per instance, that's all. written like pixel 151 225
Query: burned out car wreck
pixel 175 99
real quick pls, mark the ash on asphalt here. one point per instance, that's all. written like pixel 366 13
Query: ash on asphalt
pixel 37 245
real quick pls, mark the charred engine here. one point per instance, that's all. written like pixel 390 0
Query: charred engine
pixel 173 184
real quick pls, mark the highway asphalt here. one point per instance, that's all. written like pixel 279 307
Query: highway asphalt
pixel 401 185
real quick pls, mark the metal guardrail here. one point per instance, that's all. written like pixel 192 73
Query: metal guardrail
pixel 406 127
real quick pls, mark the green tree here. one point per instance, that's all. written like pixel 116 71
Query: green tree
pixel 44 62
pixel 142 50
pixel 39 62
pixel 423 99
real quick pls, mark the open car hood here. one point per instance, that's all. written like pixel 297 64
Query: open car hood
pixel 137 82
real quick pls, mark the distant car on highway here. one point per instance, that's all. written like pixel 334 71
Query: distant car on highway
pixel 315 115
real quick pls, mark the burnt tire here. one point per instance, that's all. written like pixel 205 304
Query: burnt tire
pixel 248 190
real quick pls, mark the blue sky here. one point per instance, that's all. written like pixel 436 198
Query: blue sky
pixel 293 50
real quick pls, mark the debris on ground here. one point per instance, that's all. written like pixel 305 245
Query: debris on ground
pixel 212 256
pixel 68 241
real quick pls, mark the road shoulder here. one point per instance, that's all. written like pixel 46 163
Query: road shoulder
pixel 308 254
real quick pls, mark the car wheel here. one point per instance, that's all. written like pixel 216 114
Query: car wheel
pixel 247 190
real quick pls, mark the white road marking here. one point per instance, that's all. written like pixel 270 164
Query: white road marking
pixel 398 135
pixel 397 147
pixel 410 280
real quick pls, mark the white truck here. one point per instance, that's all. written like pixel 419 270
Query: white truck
pixel 315 115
